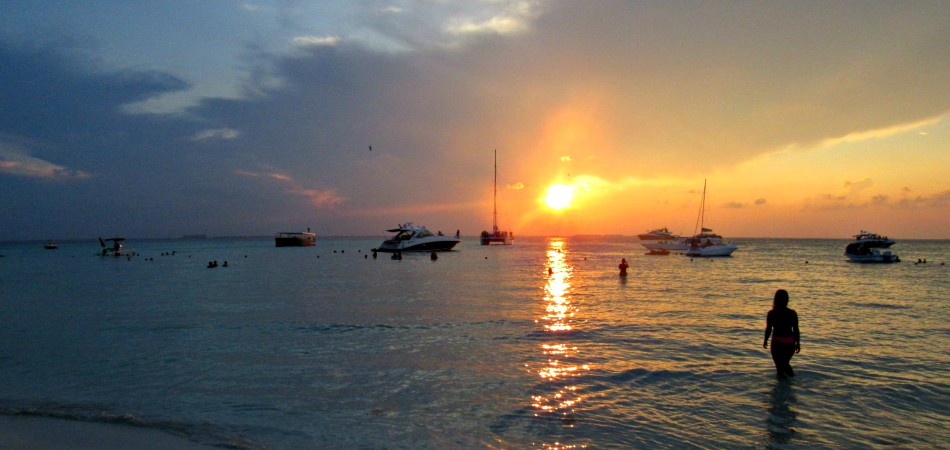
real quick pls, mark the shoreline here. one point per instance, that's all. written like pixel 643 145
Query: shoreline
pixel 46 433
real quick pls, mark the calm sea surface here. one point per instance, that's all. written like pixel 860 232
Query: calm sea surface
pixel 326 347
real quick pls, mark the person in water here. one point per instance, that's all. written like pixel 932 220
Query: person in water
pixel 623 267
pixel 782 325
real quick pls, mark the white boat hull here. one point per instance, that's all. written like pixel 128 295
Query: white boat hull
pixel 875 256
pixel 712 250
pixel 669 246
pixel 428 244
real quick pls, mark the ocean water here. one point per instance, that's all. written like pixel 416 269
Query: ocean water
pixel 327 347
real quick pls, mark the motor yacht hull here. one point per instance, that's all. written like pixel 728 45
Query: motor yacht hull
pixel 876 256
pixel 431 244
pixel 665 246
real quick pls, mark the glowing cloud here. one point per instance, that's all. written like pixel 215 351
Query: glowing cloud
pixel 16 162
pixel 318 198
pixel 217 133
pixel 316 41
pixel 884 132
pixel 513 18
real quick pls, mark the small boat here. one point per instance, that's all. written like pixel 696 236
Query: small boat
pixel 496 236
pixel 870 248
pixel 412 238
pixel 707 243
pixel 116 248
pixel 659 234
pixel 295 239
pixel 51 245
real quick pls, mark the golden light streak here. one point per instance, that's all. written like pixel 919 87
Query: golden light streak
pixel 560 359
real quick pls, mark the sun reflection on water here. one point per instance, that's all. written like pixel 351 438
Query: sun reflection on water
pixel 559 397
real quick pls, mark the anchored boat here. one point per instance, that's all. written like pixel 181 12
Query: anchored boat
pixel 707 243
pixel 412 238
pixel 870 248
pixel 295 239
pixel 496 236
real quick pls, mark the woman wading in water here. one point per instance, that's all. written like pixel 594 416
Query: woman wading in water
pixel 782 324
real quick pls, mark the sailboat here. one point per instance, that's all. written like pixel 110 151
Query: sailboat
pixel 707 243
pixel 496 236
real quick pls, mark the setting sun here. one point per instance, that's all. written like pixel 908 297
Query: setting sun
pixel 559 196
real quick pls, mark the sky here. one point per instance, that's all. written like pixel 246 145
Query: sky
pixel 156 119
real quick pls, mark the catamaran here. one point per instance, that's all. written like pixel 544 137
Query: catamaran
pixel 496 236
pixel 707 243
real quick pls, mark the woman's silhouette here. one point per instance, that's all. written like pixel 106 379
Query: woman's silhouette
pixel 782 324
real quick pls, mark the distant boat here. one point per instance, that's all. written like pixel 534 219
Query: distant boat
pixel 295 239
pixel 870 248
pixel 411 238
pixel 707 243
pixel 116 248
pixel 659 234
pixel 51 245
pixel 496 236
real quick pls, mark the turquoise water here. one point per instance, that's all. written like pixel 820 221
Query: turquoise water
pixel 326 347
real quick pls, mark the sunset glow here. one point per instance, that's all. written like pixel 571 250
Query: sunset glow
pixel 559 196
pixel 594 132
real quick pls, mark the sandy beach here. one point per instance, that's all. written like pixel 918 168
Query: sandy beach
pixel 40 433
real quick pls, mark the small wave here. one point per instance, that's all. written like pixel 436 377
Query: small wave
pixel 340 328
pixel 204 433
pixel 761 280
pixel 650 376
pixel 879 306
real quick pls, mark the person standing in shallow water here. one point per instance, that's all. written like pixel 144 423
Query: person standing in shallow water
pixel 782 325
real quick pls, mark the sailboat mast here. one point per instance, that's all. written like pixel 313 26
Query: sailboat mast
pixel 701 217
pixel 494 219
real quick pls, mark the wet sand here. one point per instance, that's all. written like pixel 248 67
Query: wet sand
pixel 40 433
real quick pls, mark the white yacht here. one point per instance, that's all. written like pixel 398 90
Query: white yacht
pixel 659 234
pixel 870 248
pixel 412 238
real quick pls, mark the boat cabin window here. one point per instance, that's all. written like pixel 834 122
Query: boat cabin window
pixel 423 233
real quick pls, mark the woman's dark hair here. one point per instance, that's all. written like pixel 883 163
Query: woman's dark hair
pixel 781 299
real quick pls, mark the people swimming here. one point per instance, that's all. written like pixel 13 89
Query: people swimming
pixel 781 324
pixel 623 267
